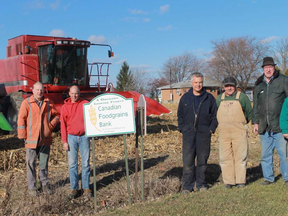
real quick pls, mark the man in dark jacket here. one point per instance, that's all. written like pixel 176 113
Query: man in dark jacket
pixel 196 121
pixel 271 89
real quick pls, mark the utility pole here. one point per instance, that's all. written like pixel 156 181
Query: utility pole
pixel 171 91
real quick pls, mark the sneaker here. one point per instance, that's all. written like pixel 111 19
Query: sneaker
pixel 266 183
pixel 241 185
pixel 203 189
pixel 227 186
pixel 73 194
pixel 33 192
pixel 87 194
pixel 184 192
pixel 46 189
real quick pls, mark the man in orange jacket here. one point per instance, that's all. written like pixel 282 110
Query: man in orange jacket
pixel 36 119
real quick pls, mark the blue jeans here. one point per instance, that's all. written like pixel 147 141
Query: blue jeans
pixel 270 141
pixel 75 143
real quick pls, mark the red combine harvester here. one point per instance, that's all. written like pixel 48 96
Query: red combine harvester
pixel 57 62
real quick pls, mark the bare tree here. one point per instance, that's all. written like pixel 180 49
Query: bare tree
pixel 179 68
pixel 155 83
pixel 281 55
pixel 240 57
pixel 140 80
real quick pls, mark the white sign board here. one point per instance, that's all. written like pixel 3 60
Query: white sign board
pixel 109 114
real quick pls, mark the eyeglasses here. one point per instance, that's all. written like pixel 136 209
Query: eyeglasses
pixel 268 67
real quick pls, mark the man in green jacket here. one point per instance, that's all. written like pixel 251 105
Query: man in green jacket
pixel 234 112
pixel 270 91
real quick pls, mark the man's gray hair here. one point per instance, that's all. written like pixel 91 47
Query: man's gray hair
pixel 196 74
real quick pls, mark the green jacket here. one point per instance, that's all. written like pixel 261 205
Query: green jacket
pixel 244 101
pixel 268 100
pixel 284 117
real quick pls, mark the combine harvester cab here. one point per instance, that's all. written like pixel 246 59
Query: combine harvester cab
pixel 59 63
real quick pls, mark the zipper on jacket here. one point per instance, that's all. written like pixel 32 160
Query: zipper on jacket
pixel 195 120
pixel 196 115
pixel 267 103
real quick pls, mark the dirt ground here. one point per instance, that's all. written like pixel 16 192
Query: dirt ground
pixel 162 171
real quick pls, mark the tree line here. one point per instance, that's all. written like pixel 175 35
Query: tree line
pixel 240 57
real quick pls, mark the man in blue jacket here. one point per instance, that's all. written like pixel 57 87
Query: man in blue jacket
pixel 196 121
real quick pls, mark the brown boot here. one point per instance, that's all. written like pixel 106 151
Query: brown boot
pixel 73 194
pixel 87 194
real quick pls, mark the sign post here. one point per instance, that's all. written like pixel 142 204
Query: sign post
pixel 136 153
pixel 127 169
pixel 109 114
pixel 141 108
pixel 142 155
pixel 94 173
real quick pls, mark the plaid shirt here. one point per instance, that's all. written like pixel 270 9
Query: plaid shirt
pixel 39 103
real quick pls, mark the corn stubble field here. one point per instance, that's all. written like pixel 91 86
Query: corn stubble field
pixel 162 173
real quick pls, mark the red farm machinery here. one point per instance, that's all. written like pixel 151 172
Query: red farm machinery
pixel 57 62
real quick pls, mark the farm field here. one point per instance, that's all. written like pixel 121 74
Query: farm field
pixel 162 174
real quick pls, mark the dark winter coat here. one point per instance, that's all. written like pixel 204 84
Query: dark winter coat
pixel 204 120
pixel 268 100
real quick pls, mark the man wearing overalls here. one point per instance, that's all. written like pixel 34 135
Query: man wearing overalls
pixel 234 112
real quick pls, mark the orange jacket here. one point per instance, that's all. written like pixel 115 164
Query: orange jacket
pixel 37 124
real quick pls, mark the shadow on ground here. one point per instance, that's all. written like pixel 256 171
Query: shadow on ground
pixel 120 171
pixel 212 174
pixel 158 125
pixel 158 128
pixel 11 143
pixel 255 173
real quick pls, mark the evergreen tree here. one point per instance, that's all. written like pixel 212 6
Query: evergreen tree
pixel 125 80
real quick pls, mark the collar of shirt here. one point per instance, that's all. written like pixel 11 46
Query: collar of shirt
pixel 39 103
pixel 264 79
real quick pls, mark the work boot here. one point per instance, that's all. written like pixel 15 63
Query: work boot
pixel 73 194
pixel 46 189
pixel 203 189
pixel 265 183
pixel 184 192
pixel 33 192
pixel 227 186
pixel 87 194
pixel 241 185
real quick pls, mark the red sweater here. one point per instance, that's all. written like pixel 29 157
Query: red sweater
pixel 72 118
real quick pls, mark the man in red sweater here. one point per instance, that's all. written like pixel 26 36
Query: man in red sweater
pixel 73 138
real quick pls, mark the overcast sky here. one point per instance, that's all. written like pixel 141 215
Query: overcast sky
pixel 144 33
